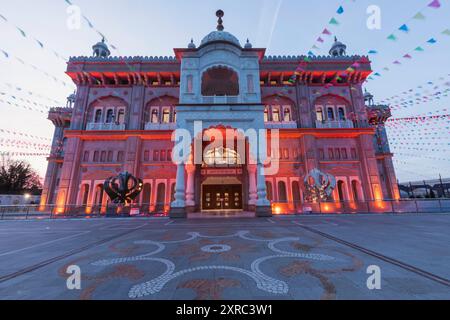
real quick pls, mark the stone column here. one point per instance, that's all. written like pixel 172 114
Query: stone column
pixel 263 208
pixel 190 202
pixel 253 195
pixel 178 207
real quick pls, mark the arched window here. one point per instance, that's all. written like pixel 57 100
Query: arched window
pixel 276 114
pixel 96 156
pixel 219 157
pixel 287 114
pixel 269 191
pixel 110 116
pixel 341 112
pixel 174 116
pixel 154 116
pixel 335 107
pixel 220 81
pixel 166 115
pixel 106 110
pixel 120 156
pixel 121 117
pixel 98 116
pixel 319 114
pixel 282 194
pixel 330 113
pixel 266 114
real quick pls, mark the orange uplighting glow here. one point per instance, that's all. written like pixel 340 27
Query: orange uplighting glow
pixel 378 197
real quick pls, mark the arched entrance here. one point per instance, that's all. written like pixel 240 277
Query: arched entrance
pixel 341 190
pixel 146 193
pixel 160 197
pixel 222 175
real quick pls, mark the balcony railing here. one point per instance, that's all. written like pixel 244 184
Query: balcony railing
pixel 343 124
pixel 281 125
pixel 220 99
pixel 160 126
pixel 105 127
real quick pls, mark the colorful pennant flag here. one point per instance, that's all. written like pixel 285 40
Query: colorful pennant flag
pixel 392 37
pixel 325 31
pixel 435 4
pixel 334 21
pixel 404 28
pixel 419 16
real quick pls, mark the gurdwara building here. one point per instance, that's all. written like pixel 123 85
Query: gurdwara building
pixel 129 113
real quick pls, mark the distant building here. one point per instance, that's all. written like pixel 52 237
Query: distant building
pixel 126 109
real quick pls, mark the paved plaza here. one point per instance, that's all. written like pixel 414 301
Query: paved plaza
pixel 308 257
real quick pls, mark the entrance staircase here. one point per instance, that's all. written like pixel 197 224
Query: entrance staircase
pixel 221 215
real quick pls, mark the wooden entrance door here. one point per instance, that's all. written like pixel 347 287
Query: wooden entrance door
pixel 222 197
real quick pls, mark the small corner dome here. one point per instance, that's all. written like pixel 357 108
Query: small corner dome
pixel 220 36
pixel 338 49
pixel 101 49
pixel 367 94
pixel 191 44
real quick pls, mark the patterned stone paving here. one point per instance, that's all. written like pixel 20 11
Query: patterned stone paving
pixel 240 259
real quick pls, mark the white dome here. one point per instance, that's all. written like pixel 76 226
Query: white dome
pixel 217 36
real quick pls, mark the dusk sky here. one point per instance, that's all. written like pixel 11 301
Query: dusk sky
pixel 284 27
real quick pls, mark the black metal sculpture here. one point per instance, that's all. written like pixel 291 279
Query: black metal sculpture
pixel 123 189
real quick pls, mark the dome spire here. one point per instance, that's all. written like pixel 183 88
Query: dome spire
pixel 338 49
pixel 220 14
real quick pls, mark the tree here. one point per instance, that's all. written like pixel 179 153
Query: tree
pixel 17 177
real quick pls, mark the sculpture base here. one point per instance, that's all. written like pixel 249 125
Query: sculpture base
pixel 178 213
pixel 264 212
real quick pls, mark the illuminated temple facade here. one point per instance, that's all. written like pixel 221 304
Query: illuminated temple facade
pixel 126 108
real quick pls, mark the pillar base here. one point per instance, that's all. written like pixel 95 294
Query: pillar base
pixel 190 209
pixel 263 211
pixel 177 213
